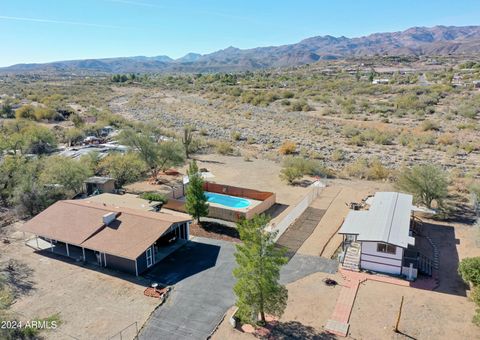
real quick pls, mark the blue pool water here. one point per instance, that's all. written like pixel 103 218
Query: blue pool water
pixel 228 201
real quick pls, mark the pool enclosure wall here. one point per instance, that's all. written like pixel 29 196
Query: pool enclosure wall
pixel 265 200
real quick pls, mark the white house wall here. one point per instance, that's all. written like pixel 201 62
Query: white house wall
pixel 380 262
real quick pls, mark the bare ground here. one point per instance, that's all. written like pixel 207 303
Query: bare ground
pixel 93 304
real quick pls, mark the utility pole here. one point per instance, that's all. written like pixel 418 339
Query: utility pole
pixel 398 317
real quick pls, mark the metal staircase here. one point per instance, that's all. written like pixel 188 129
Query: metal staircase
pixel 351 259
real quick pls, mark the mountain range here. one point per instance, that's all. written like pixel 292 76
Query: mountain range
pixel 437 40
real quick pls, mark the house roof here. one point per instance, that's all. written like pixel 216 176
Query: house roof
pixel 387 220
pixel 125 201
pixel 81 223
pixel 98 180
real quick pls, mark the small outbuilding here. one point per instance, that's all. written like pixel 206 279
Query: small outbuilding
pixel 119 238
pixel 97 185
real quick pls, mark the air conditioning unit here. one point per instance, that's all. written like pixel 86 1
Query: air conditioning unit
pixel 109 218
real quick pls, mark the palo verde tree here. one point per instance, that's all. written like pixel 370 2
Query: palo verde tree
pixel 157 156
pixel 258 272
pixel 195 198
pixel 427 183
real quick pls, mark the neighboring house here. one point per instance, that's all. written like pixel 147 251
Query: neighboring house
pixel 124 239
pixel 379 239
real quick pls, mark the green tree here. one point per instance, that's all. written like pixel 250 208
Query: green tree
pixel 427 183
pixel 195 198
pixel 66 172
pixel 7 110
pixel 125 169
pixel 258 271
pixel 156 156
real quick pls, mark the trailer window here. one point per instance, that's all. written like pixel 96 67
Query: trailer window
pixel 386 248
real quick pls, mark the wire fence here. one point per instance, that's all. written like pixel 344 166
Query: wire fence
pixel 128 333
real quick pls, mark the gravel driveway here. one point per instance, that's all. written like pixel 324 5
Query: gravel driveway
pixel 201 273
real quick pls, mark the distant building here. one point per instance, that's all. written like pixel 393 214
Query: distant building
pixel 381 81
pixel 476 84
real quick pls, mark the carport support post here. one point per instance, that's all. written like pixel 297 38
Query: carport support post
pixel 36 239
pixel 68 251
pixel 83 253
pixel 51 245
pixel 136 268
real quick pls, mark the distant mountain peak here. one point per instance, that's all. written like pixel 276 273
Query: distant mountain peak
pixel 437 40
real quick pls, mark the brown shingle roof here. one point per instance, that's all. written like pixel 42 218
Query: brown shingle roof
pixel 81 223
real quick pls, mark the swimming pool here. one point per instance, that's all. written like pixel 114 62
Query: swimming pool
pixel 228 201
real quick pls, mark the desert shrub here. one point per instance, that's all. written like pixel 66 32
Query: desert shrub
pixel 288 148
pixel 428 125
pixel 288 94
pixel 235 135
pixel 301 105
pixel 467 111
pixel 469 270
pixel 223 148
pixel 358 140
pixel 290 174
pixel 446 139
pixel 338 155
pixel 350 131
pixel 25 112
pixel 154 196
pixel 378 137
pixel 364 169
pixel 307 166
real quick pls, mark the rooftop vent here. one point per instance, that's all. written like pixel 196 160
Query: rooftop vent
pixel 109 218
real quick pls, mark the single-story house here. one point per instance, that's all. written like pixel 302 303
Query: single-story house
pixel 377 239
pixel 120 238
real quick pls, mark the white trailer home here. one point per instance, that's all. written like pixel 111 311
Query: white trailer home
pixel 377 239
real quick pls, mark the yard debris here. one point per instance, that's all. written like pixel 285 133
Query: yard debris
pixel 159 293
pixel 330 282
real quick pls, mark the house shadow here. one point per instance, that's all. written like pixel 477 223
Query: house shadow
pixel 187 261
pixel 444 240
pixel 141 281
pixel 296 330
pixel 276 210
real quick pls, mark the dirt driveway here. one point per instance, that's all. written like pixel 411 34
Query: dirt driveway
pixel 92 304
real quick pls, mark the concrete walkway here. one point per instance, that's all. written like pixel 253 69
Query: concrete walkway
pixel 338 322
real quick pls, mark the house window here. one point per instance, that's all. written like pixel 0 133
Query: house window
pixel 386 248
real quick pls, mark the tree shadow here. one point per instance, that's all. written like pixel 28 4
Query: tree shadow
pixel 18 276
pixel 296 330
pixel 207 227
pixel 461 213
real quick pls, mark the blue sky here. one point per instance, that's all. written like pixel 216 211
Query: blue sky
pixel 49 30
